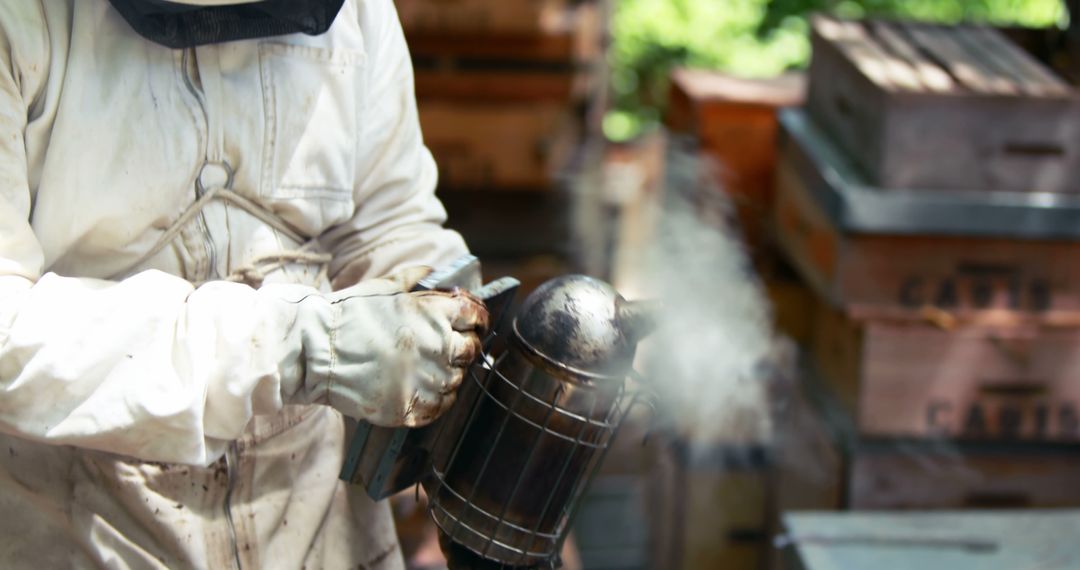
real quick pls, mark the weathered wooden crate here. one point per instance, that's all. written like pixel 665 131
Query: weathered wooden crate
pixel 507 146
pixel 823 464
pixel 963 253
pixel 905 377
pixel 922 106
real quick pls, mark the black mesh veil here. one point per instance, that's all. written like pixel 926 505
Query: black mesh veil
pixel 181 26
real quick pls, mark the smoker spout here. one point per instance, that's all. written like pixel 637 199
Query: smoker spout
pixel 639 319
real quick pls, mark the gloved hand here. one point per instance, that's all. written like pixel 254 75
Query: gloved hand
pixel 377 352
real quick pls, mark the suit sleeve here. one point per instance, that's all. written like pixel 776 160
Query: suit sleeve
pixel 398 220
pixel 148 367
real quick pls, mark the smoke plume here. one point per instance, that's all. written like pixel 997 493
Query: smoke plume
pixel 709 361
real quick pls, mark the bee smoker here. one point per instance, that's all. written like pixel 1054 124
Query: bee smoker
pixel 506 466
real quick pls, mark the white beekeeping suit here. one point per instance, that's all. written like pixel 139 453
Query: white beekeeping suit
pixel 172 361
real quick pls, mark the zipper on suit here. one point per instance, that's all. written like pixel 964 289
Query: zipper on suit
pixel 232 464
pixel 190 64
pixel 212 154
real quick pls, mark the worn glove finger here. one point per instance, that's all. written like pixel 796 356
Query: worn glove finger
pixel 465 348
pixel 422 415
pixel 434 394
pixel 465 311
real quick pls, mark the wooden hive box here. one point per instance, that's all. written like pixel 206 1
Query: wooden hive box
pixel 734 128
pixel 734 120
pixel 910 378
pixel 824 464
pixel 929 107
pixel 965 253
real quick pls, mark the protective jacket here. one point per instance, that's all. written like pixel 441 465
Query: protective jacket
pixel 146 194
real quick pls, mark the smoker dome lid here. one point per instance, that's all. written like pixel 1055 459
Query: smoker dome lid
pixel 575 321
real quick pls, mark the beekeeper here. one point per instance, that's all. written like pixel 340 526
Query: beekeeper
pixel 182 185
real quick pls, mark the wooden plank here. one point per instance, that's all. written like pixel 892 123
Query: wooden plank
pixel 1033 76
pixel 851 38
pixel 967 70
pixel 900 74
pixel 986 47
pixel 929 74
pixel 839 35
pixel 1001 80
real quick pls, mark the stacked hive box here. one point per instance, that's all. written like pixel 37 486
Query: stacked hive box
pixel 928 195
pixel 504 90
pixel 734 123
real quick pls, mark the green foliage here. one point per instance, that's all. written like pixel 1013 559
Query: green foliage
pixel 754 38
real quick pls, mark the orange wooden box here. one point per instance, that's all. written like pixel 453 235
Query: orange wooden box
pixel 734 121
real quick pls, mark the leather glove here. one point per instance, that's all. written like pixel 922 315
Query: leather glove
pixel 378 352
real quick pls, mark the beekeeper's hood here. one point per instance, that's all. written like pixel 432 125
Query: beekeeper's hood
pixel 187 23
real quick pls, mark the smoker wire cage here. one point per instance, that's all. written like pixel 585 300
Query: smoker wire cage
pixel 527 441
